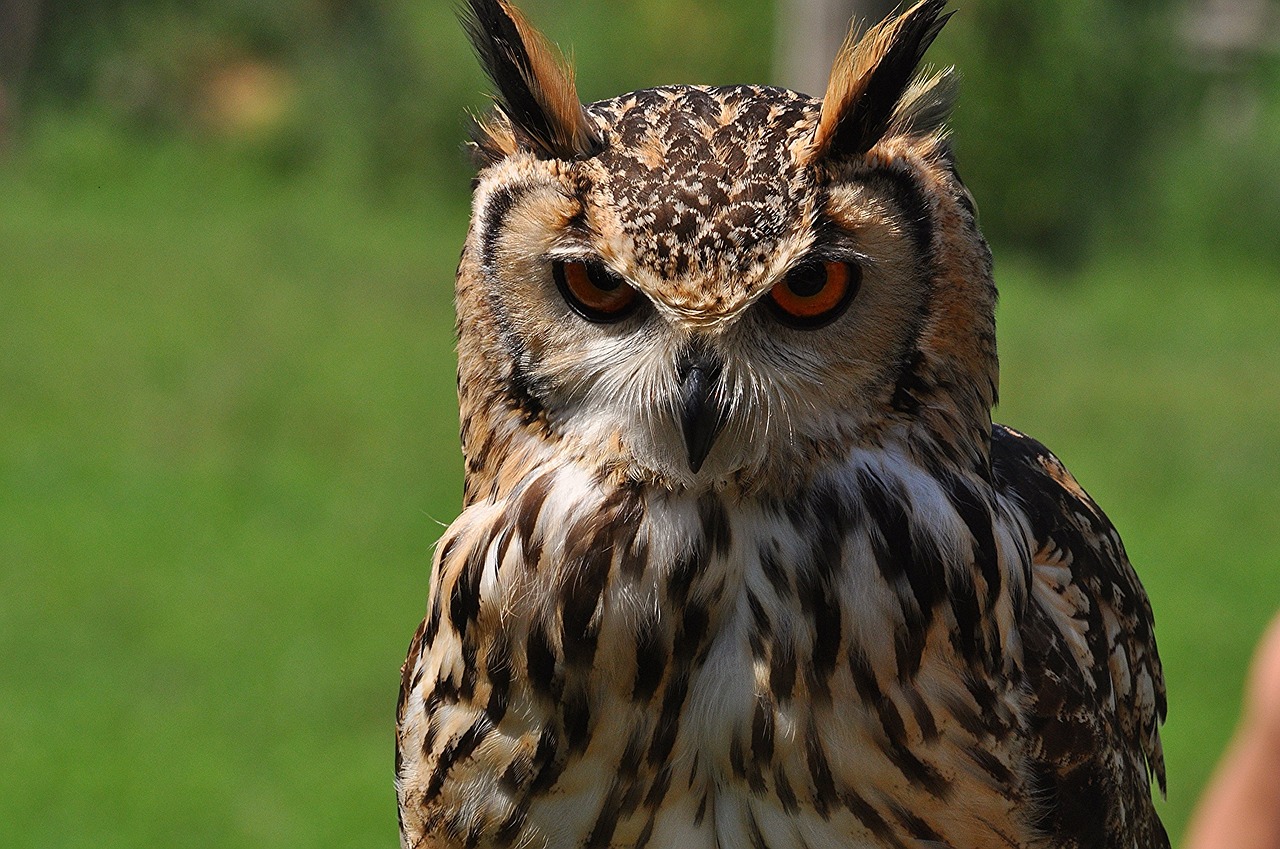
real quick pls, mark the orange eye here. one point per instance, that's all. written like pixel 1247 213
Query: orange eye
pixel 594 292
pixel 815 293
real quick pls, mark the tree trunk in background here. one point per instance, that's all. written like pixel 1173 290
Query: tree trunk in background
pixel 809 33
pixel 18 27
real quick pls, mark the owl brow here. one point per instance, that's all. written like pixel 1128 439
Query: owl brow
pixel 585 254
pixel 836 251
pixel 833 243
pixel 573 241
pixel 908 197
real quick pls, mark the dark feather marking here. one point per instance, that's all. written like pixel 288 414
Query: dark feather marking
pixel 511 827
pixel 411 671
pixel 891 721
pixel 871 818
pixel 753 831
pixel 782 787
pixel 464 599
pixel 920 830
pixel 992 766
pixel 540 659
pixel 646 833
pixel 910 387
pixel 517 774
pixel 634 558
pixel 918 772
pixel 782 670
pixel 607 819
pixel 864 676
pixel 984 695
pixel 968 718
pixel 687 567
pixel 762 731
pixel 904 187
pixel 824 788
pixel 576 711
pixel 823 612
pixel 444 693
pixel 658 792
pixel 899 556
pixel 664 737
pixel 495 217
pixel 429 737
pixel 528 507
pixel 761 626
pixel 923 716
pixel 433 617
pixel 773 570
pixel 651 659
pixel 477 455
pixel 631 556
pixel 715 524
pixel 976 515
pixel 967 636
pixel 588 572
pixel 831 519
pixel 454 752
pixel 691 633
pixel 498 670
pixel 908 649
pixel 470 669
pixel 548 761
pixel 737 759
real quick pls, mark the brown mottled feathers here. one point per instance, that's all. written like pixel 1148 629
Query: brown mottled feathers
pixel 728 574
pixel 1098 689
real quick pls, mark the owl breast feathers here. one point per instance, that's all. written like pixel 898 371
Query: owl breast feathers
pixel 743 561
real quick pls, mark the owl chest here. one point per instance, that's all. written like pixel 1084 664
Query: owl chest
pixel 730 662
pixel 747 683
pixel 705 678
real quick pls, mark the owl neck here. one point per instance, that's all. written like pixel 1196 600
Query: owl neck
pixel 943 415
pixel 506 441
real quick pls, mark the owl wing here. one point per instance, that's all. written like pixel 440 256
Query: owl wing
pixel 1096 690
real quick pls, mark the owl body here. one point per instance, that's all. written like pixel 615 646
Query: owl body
pixel 743 560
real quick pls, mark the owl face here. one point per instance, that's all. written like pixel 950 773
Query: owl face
pixel 699 287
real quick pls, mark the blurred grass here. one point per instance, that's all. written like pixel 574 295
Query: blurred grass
pixel 229 440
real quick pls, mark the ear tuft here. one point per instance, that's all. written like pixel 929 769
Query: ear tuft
pixel 535 86
pixel 868 91
pixel 926 105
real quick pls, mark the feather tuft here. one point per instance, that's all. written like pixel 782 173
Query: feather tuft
pixel 871 78
pixel 536 91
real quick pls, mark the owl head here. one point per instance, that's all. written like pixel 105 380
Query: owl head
pixel 695 287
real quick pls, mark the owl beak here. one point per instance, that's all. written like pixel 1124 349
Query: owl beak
pixel 700 415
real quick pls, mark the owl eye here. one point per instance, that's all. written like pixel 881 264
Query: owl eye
pixel 814 293
pixel 594 292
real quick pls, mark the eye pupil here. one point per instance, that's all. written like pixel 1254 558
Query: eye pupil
pixel 602 278
pixel 807 280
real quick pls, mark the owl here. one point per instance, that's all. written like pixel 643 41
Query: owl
pixel 743 561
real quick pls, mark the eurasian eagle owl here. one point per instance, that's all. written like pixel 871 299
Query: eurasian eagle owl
pixel 743 561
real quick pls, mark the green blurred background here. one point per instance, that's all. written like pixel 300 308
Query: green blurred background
pixel 227 424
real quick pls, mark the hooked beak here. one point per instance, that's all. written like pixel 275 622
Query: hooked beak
pixel 700 415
